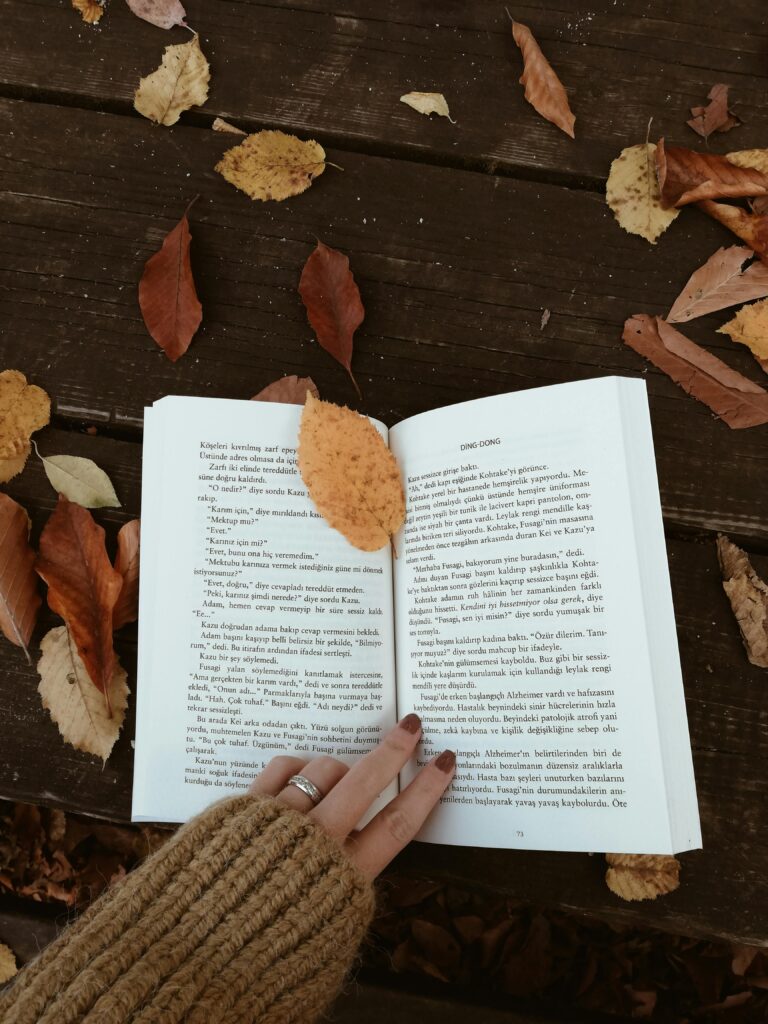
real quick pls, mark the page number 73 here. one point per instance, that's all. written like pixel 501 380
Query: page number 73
pixel 519 834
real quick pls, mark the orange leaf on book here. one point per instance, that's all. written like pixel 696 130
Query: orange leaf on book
pixel 686 176
pixel 543 89
pixel 127 564
pixel 19 599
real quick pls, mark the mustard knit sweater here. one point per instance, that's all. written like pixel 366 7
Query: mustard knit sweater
pixel 250 913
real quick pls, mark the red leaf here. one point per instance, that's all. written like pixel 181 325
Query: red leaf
pixel 82 586
pixel 288 390
pixel 19 599
pixel 167 295
pixel 687 177
pixel 334 307
pixel 127 564
pixel 752 228
pixel 715 117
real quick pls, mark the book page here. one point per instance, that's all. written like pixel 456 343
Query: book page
pixel 521 631
pixel 262 631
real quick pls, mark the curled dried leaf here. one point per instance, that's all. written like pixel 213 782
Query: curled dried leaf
pixel 179 83
pixel 748 595
pixel 720 282
pixel 543 89
pixel 639 876
pixel 750 327
pixel 751 228
pixel 632 192
pixel 715 116
pixel 351 475
pixel 91 11
pixel 24 408
pixel 755 158
pixel 127 564
pixel 289 390
pixel 19 598
pixel 272 165
pixel 688 177
pixel 220 125
pixel 428 103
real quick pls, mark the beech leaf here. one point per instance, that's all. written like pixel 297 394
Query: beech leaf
pixel 179 83
pixel 272 165
pixel 351 475
pixel 718 283
pixel 688 177
pixel 748 595
pixel 19 598
pixel 220 125
pixel 76 707
pixel 730 395
pixel 127 564
pixel 640 876
pixel 428 103
pixel 82 586
pixel 543 89
pixel 632 192
pixel 290 390
pixel 8 968
pixel 163 13
pixel 332 299
pixel 80 480
pixel 715 116
pixel 750 327
pixel 24 408
pixel 751 228
pixel 91 11
pixel 167 294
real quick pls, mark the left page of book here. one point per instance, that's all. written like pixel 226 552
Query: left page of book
pixel 262 631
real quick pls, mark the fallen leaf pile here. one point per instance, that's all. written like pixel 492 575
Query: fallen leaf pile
pixel 24 408
pixel 181 82
pixel 748 595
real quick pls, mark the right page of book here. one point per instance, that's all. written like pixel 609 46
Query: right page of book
pixel 535 631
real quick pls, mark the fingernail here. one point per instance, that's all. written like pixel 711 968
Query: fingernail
pixel 411 723
pixel 446 762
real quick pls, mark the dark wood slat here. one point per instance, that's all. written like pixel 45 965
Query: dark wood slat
pixel 339 73
pixel 455 270
pixel 725 887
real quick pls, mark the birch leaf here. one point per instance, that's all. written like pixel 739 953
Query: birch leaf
pixel 272 165
pixel 179 83
pixel 351 475
pixel 74 703
pixel 748 595
pixel 8 968
pixel 639 876
pixel 91 11
pixel 127 564
pixel 720 282
pixel 19 598
pixel 80 480
pixel 24 408
pixel 750 327
pixel 543 89
pixel 428 103
pixel 163 13
pixel 289 390
pixel 633 193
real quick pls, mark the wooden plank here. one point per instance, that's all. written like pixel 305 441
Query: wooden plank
pixel 338 74
pixel 725 887
pixel 455 269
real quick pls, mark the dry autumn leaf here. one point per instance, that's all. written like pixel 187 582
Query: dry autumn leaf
pixel 639 876
pixel 82 586
pixel 351 475
pixel 543 89
pixel 632 192
pixel 730 395
pixel 163 13
pixel 748 595
pixel 332 299
pixel 715 116
pixel 272 165
pixel 220 125
pixel 750 327
pixel 91 11
pixel 719 283
pixel 24 408
pixel 686 176
pixel 19 598
pixel 289 390
pixel 428 103
pixel 757 159
pixel 751 228
pixel 80 480
pixel 167 294
pixel 127 564
pixel 75 705
pixel 179 83
pixel 8 967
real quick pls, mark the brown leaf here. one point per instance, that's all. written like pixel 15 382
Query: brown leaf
pixel 644 1002
pixel 127 564
pixel 289 390
pixel 351 475
pixel 82 586
pixel 332 299
pixel 688 177
pixel 24 408
pixel 163 13
pixel 718 283
pixel 750 327
pixel 543 89
pixel 731 396
pixel 272 165
pixel 748 595
pixel 91 11
pixel 19 599
pixel 715 116
pixel 751 228
pixel 167 295
pixel 639 876
pixel 742 955
pixel 437 944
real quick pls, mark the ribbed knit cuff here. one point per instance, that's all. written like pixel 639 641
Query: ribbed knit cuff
pixel 250 913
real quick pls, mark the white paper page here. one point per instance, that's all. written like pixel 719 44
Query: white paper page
pixel 520 624
pixel 262 631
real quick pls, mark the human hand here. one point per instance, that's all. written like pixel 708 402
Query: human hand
pixel 347 793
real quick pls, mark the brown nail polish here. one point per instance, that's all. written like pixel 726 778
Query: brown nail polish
pixel 446 761
pixel 411 723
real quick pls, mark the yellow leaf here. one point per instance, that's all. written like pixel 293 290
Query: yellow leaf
pixel 272 165
pixel 8 966
pixel 750 327
pixel 80 480
pixel 24 408
pixel 633 194
pixel 755 158
pixel 179 83
pixel 428 103
pixel 90 10
pixel 351 475
pixel 75 705
pixel 640 876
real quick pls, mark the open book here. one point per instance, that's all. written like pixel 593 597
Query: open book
pixel 527 618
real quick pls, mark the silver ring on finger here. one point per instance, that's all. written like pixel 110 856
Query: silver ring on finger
pixel 307 787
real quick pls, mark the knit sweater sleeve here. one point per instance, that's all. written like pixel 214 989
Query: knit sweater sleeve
pixel 250 914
